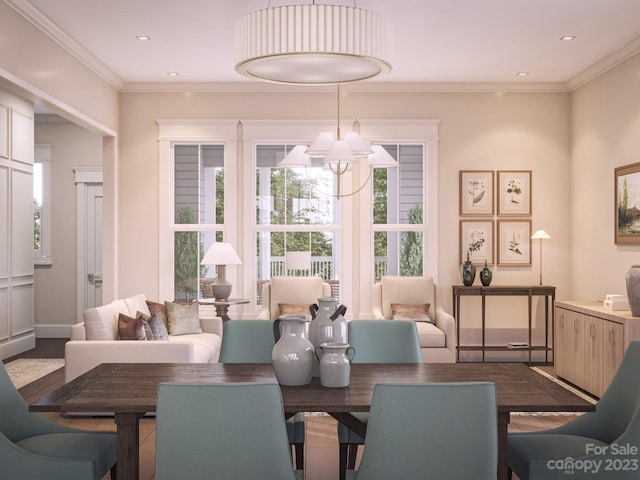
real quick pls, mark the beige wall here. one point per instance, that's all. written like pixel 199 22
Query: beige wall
pixel 605 134
pixel 528 131
pixel 39 69
pixel 55 286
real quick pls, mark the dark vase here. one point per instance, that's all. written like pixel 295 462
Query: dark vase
pixel 486 275
pixel 468 272
pixel 633 289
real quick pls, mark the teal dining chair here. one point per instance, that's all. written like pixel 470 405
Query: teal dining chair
pixel 602 440
pixel 34 447
pixel 375 341
pixel 228 431
pixel 448 431
pixel 251 341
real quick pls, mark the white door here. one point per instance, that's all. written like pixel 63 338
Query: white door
pixel 89 238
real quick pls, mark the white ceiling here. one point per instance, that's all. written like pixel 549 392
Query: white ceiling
pixel 436 41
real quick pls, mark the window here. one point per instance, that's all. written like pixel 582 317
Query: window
pixel 198 214
pixel 294 214
pixel 398 214
pixel 42 205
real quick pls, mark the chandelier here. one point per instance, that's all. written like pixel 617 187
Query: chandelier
pixel 312 44
pixel 339 154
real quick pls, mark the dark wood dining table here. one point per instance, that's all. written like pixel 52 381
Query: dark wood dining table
pixel 129 390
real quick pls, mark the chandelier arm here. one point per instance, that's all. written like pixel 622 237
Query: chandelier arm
pixel 361 186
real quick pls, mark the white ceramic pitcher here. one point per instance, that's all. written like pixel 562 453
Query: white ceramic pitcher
pixel 292 355
pixel 328 325
pixel 335 363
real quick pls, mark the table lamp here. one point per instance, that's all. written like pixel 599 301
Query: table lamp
pixel 540 235
pixel 297 261
pixel 221 254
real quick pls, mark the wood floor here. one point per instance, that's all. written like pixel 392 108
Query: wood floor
pixel 321 446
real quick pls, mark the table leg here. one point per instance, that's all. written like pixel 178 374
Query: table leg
pixel 351 422
pixel 128 445
pixel 503 465
pixel 222 311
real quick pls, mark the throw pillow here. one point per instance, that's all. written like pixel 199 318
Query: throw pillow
pixel 157 330
pixel 183 319
pixel 160 310
pixel 417 312
pixel 130 328
pixel 291 309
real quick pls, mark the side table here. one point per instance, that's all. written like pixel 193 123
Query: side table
pixel 222 306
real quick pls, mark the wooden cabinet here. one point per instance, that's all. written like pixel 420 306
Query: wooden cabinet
pixel 590 343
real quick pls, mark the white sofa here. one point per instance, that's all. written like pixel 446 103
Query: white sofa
pixel 82 354
pixel 291 291
pixel 437 339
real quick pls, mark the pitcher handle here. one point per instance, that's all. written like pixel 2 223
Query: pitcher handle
pixel 341 310
pixel 276 330
pixel 315 352
pixel 313 309
pixel 353 354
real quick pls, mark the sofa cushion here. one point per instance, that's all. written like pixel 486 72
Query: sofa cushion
pixel 137 303
pixel 406 290
pixel 160 310
pixel 206 345
pixel 430 336
pixel 158 328
pixel 183 319
pixel 133 328
pixel 101 323
pixel 418 312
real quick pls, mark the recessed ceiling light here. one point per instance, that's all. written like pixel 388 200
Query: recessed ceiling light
pixel 567 37
pixel 143 37
pixel 173 74
pixel 522 74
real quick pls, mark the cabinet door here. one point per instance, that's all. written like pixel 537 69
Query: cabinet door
pixel 561 347
pixel 613 351
pixel 570 338
pixel 592 355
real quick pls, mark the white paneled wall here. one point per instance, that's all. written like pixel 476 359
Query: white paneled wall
pixel 16 225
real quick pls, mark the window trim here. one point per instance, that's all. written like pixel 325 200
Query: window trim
pixel 42 155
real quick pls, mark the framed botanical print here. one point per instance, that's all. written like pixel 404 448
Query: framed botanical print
pixel 514 242
pixel 476 192
pixel 476 239
pixel 627 196
pixel 514 193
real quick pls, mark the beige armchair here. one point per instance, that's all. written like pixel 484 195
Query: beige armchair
pixel 291 291
pixel 437 339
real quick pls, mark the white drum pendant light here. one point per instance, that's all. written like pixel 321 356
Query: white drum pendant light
pixel 313 44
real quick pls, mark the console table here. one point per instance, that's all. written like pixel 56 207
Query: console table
pixel 529 291
pixel 222 306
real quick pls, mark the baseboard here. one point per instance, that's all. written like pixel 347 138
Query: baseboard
pixel 18 346
pixel 52 331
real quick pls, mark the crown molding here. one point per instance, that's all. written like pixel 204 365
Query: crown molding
pixel 36 17
pixel 604 65
pixel 363 87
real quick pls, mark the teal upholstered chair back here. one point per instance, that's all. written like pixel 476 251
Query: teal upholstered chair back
pixel 617 413
pixel 247 341
pixel 384 341
pixel 448 431
pixel 227 431
pixel 34 447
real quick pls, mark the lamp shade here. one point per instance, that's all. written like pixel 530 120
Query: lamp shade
pixel 221 253
pixel 358 146
pixel 541 234
pixel 320 145
pixel 298 260
pixel 312 44
pixel 381 158
pixel 340 152
pixel 296 158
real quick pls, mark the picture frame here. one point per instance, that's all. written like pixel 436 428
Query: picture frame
pixel 476 237
pixel 514 242
pixel 514 193
pixel 476 193
pixel 627 195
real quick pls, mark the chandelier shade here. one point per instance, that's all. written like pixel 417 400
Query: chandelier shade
pixel 312 44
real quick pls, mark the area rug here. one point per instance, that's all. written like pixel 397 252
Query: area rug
pixel 26 370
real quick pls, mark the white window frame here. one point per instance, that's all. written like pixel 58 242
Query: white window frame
pixel 42 155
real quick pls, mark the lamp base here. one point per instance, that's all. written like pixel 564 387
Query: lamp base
pixel 221 289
